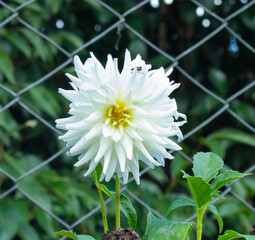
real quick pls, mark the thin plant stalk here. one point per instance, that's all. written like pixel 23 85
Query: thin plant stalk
pixel 187 237
pixel 117 201
pixel 102 208
pixel 200 213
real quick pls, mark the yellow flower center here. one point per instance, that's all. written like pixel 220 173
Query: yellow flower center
pixel 118 114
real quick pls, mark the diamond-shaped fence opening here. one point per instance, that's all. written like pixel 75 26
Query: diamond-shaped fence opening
pixel 29 106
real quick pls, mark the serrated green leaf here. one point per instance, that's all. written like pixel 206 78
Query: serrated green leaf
pixel 206 165
pixel 200 190
pixel 226 177
pixel 6 66
pixel 65 233
pixel 96 174
pixel 181 202
pixel 215 212
pixel 163 229
pixel 230 234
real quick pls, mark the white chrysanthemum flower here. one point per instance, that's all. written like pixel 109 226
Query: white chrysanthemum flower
pixel 118 118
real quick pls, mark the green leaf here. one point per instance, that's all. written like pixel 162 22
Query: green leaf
pixel 200 190
pixel 181 202
pixel 177 164
pixel 159 175
pixel 215 146
pixel 234 135
pixel 55 5
pixel 37 43
pixel 20 43
pixel 96 174
pixel 9 220
pixel 163 229
pixel 128 210
pixel 226 177
pixel 45 221
pixel 6 66
pixel 217 194
pixel 215 212
pixel 36 191
pixel 66 234
pixel 84 237
pixel 73 235
pixel 27 232
pixel 107 191
pixel 206 165
pixel 230 234
pixel 45 100
pixel 218 79
pixel 125 206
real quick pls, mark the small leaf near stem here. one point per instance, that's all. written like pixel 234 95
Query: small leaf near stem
pixel 117 201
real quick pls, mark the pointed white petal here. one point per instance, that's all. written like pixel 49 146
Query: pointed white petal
pixel 92 166
pixel 108 130
pixel 104 145
pixel 112 169
pixel 87 156
pixel 140 147
pixel 133 133
pixel 121 156
pixel 127 144
pixel 107 158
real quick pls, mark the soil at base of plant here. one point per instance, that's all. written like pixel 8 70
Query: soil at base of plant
pixel 121 234
pixel 252 232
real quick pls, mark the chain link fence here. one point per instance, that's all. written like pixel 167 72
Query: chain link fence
pixel 119 25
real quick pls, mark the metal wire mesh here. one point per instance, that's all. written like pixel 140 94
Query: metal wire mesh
pixel 119 25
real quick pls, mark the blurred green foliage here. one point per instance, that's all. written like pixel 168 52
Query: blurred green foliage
pixel 25 142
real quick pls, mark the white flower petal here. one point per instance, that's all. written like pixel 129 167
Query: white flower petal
pixel 107 158
pixel 112 169
pixel 108 130
pixel 127 144
pixel 87 156
pixel 105 143
pixel 121 156
pixel 133 134
pixel 140 147
pixel 118 119
pixel 92 166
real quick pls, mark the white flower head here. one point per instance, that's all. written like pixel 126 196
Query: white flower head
pixel 118 118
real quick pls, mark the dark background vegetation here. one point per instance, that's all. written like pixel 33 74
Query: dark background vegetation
pixel 222 65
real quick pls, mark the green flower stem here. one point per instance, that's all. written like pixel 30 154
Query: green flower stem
pixel 117 201
pixel 187 237
pixel 102 208
pixel 200 214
